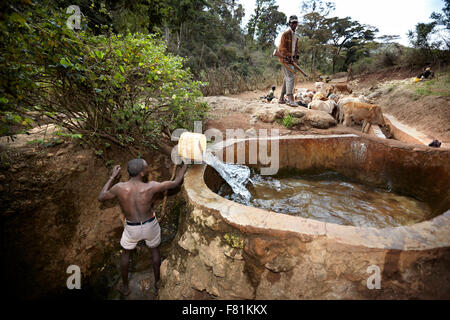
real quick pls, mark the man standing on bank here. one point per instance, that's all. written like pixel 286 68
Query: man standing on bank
pixel 136 199
pixel 289 50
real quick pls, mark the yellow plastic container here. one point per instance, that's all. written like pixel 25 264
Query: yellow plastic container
pixel 192 146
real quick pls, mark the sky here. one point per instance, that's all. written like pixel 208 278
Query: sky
pixel 391 17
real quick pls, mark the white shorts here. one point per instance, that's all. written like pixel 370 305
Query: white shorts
pixel 150 232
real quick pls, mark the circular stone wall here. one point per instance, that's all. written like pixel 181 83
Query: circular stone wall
pixel 224 250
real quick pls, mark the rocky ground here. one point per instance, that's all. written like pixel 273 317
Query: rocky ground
pixel 264 115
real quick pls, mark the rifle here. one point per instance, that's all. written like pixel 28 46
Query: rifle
pixel 282 59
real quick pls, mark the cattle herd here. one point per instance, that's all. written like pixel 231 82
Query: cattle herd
pixel 339 101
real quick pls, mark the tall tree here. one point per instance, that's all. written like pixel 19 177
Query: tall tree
pixel 230 15
pixel 343 31
pixel 444 17
pixel 268 26
pixel 260 7
pixel 318 6
pixel 265 22
pixel 183 11
pixel 421 37
pixel 442 21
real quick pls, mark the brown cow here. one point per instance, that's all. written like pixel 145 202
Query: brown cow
pixel 362 112
pixel 343 87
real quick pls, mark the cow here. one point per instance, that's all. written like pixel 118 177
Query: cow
pixel 319 96
pixel 319 86
pixel 307 97
pixel 299 93
pixel 304 96
pixel 341 87
pixel 328 106
pixel 341 102
pixel 362 112
pixel 334 97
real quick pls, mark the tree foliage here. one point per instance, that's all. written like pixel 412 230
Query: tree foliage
pixel 444 17
pixel 346 33
pixel 132 72
pixel 432 35
pixel 268 26
pixel 326 38
pixel 265 23
pixel 420 38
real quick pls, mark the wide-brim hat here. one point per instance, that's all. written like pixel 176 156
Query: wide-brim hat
pixel 293 19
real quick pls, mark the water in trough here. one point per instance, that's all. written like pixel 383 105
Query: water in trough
pixel 237 176
pixel 329 197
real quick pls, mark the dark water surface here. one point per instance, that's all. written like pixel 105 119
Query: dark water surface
pixel 330 197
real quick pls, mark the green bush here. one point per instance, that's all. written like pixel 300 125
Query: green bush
pixel 123 89
pixel 364 65
pixel 288 121
pixel 395 55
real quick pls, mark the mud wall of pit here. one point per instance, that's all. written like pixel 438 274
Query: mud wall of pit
pixel 224 250
pixel 51 219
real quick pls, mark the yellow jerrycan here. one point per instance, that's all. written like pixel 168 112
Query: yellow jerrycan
pixel 192 146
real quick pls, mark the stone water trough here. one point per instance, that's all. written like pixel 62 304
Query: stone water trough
pixel 225 250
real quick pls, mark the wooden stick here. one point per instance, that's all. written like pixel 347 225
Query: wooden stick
pixel 174 170
pixel 295 67
pixel 276 53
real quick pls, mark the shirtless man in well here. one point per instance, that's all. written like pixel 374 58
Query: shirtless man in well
pixel 136 201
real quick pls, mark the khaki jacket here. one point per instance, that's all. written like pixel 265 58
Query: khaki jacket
pixel 285 47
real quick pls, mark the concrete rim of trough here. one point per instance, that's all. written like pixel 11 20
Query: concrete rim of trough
pixel 434 233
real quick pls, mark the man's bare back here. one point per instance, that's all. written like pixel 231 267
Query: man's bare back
pixel 136 199
pixel 135 196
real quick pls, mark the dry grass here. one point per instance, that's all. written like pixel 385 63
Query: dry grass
pixel 222 81
pixel 439 86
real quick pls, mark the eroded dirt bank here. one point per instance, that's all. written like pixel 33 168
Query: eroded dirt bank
pixel 51 219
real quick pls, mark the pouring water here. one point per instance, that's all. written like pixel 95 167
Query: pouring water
pixel 192 146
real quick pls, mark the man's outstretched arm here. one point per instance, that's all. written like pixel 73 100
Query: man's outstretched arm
pixel 167 185
pixel 106 193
